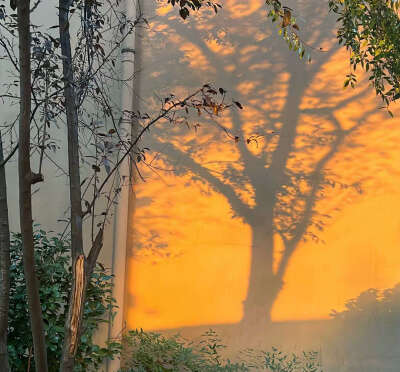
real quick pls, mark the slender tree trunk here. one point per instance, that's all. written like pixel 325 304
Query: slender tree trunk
pixel 4 265
pixel 25 181
pixel 263 286
pixel 79 278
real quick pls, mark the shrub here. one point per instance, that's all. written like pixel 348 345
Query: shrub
pixel 369 329
pixel 153 352
pixel 149 351
pixel 54 274
pixel 278 361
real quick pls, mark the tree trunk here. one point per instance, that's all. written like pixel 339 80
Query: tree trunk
pixel 263 285
pixel 77 297
pixel 25 182
pixel 73 321
pixel 4 265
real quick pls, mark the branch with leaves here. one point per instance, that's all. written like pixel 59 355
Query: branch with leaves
pixel 185 6
pixel 288 27
pixel 370 31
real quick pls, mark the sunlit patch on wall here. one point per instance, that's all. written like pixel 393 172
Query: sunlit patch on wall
pixel 238 9
pixel 360 252
pixel 217 47
pixel 163 10
pixel 357 248
pixel 195 57
pixel 191 261
pixel 205 242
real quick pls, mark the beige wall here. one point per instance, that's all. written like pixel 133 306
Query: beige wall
pixel 50 198
pixel 55 188
pixel 229 235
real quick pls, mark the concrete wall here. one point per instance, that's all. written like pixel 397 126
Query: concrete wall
pixel 261 241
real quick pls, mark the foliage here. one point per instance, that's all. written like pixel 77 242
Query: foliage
pixel 54 273
pixel 370 30
pixel 368 327
pixel 276 360
pixel 279 361
pixel 373 302
pixel 288 28
pixel 187 5
pixel 156 353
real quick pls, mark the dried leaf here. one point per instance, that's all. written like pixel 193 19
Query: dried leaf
pixel 287 16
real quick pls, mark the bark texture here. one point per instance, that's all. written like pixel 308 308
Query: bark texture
pixel 77 297
pixel 25 182
pixel 4 265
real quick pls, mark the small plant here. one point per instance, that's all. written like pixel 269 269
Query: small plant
pixel 279 361
pixel 54 273
pixel 276 360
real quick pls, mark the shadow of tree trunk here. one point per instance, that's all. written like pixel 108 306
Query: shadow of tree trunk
pixel 282 207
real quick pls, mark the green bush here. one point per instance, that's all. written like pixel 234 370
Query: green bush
pixel 152 352
pixel 54 274
pixel 149 351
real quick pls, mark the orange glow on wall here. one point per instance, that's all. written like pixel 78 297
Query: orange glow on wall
pixel 191 252
pixel 176 285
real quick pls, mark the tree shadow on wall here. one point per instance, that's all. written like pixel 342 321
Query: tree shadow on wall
pixel 368 331
pixel 274 183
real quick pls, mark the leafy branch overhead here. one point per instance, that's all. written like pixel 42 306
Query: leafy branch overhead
pixel 187 5
pixel 288 28
pixel 370 30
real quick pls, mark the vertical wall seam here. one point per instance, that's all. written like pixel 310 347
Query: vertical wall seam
pixel 120 228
